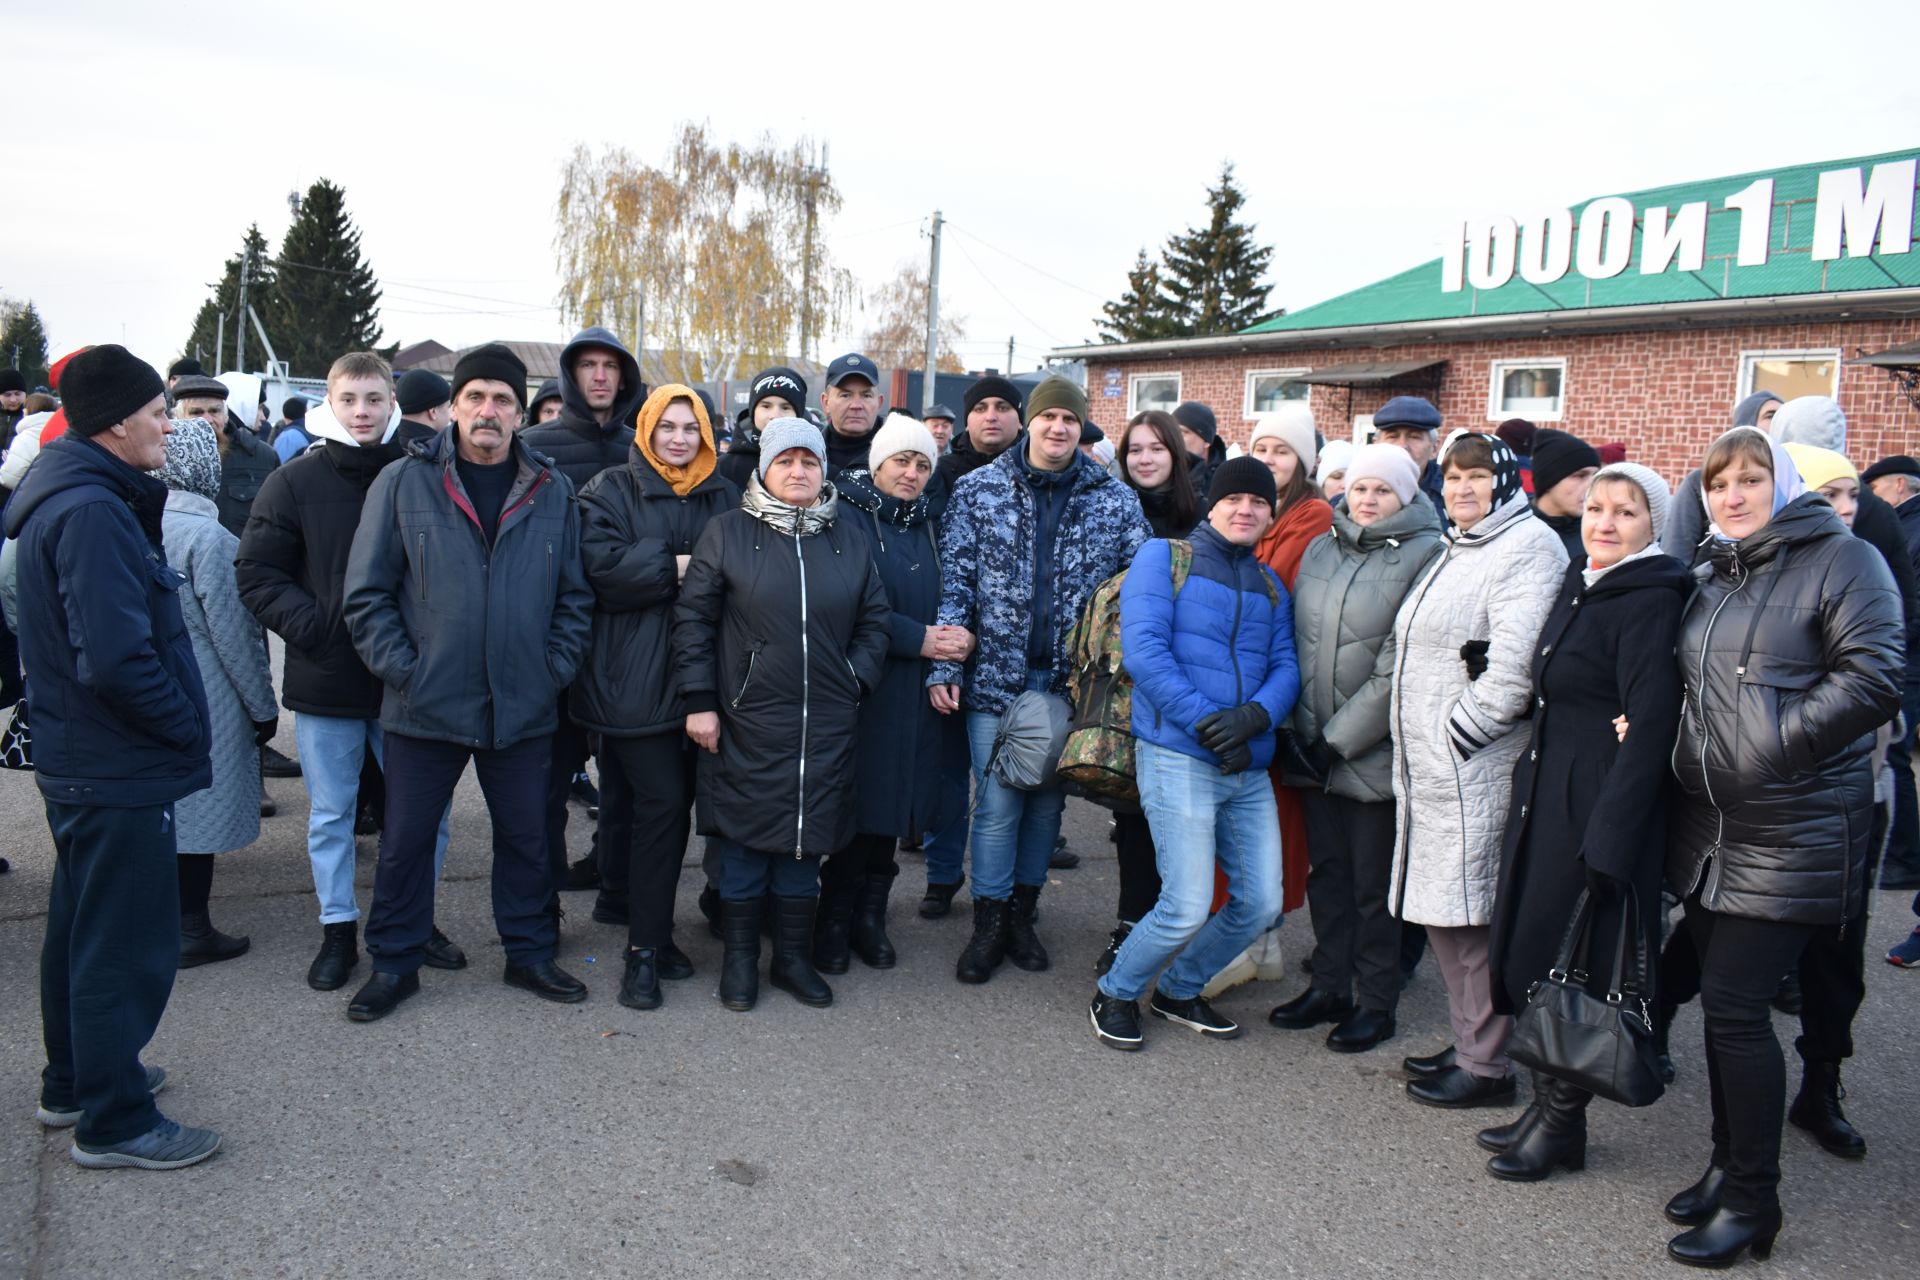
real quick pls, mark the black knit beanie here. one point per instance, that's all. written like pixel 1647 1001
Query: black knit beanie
pixel 778 381
pixel 1557 455
pixel 12 380
pixel 993 385
pixel 104 385
pixel 494 362
pixel 1245 474
pixel 1197 418
pixel 420 390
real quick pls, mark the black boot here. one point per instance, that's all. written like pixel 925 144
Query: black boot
pixel 1557 1140
pixel 988 946
pixel 870 940
pixel 1697 1203
pixel 1720 1240
pixel 740 959
pixel 1817 1110
pixel 339 953
pixel 709 904
pixel 938 900
pixel 1787 997
pixel 1023 944
pixel 1502 1136
pixel 201 943
pixel 640 985
pixel 833 930
pixel 1662 1025
pixel 792 969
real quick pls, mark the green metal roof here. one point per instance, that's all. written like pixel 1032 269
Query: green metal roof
pixel 1416 294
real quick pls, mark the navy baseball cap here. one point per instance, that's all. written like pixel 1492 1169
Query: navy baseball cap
pixel 852 365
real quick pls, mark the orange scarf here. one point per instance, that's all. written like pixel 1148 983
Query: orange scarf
pixel 1286 539
pixel 683 480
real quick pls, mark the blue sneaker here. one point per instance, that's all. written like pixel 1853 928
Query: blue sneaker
pixel 165 1146
pixel 1907 954
pixel 67 1117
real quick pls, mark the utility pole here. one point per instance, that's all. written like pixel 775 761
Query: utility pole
pixel 933 320
pixel 810 180
pixel 1009 355
pixel 219 340
pixel 240 319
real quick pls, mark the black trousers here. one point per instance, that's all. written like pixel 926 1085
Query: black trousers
pixel 1833 970
pixel 865 855
pixel 1741 964
pixel 421 776
pixel 1903 850
pixel 646 802
pixel 571 747
pixel 1139 869
pixel 107 963
pixel 1356 941
pixel 11 684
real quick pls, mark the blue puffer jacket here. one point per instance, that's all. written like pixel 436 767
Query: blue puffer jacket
pixel 1220 643
pixel 987 569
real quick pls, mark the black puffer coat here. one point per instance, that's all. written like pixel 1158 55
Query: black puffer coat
pixel 1581 797
pixel 781 627
pixel 1791 655
pixel 899 753
pixel 245 464
pixel 292 573
pixel 632 525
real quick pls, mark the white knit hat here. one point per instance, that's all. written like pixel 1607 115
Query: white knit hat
pixel 901 434
pixel 1292 423
pixel 1390 465
pixel 1659 496
pixel 1336 456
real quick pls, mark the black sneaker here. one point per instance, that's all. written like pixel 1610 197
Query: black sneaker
pixel 1195 1013
pixel 1115 1021
pixel 275 765
pixel 583 874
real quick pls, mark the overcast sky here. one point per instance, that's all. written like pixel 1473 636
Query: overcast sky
pixel 1057 140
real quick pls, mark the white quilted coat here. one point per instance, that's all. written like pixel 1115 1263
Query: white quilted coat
pixel 1495 583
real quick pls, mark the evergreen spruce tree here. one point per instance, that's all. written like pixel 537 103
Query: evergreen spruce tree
pixel 1140 314
pixel 23 343
pixel 1211 275
pixel 203 342
pixel 327 300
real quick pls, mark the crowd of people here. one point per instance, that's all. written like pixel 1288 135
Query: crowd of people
pixel 1449 690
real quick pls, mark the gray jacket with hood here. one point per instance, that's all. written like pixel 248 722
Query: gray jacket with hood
pixel 579 445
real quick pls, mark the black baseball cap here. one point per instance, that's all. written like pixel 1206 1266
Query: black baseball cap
pixel 852 365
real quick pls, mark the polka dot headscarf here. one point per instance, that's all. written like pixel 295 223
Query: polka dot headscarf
pixel 1506 467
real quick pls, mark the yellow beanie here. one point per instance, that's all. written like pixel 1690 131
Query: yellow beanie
pixel 1820 467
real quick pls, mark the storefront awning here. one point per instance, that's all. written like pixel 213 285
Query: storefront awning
pixel 1904 356
pixel 1371 374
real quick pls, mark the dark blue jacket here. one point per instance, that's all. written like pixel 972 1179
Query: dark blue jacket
pixel 1221 642
pixel 119 714
pixel 473 643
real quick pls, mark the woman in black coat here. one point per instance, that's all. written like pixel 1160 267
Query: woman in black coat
pixel 638 527
pixel 1791 656
pixel 780 631
pixel 1589 807
pixel 898 761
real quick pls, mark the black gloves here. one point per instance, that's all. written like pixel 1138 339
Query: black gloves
pixel 1602 887
pixel 1474 654
pixel 1227 733
pixel 263 731
pixel 1306 759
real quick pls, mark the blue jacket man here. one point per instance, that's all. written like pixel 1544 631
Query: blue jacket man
pixel 1214 673
pixel 121 732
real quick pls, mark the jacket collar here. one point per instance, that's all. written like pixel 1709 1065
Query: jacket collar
pixel 1414 518
pixel 192 504
pixel 857 489
pixel 800 522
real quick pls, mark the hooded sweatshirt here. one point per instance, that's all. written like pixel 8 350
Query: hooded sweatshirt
pixel 580 445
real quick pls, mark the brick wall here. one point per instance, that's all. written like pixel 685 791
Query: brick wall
pixel 1666 394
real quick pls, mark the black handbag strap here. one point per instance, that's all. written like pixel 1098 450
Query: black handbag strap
pixel 1576 948
pixel 1577 943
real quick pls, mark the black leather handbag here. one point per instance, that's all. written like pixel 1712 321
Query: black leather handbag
pixel 1601 1044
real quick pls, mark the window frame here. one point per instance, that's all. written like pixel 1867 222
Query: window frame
pixel 1750 362
pixel 1497 372
pixel 1133 389
pixel 1247 411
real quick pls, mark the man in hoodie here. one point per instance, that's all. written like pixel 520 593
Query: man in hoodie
pixel 1687 518
pixel 1562 466
pixel 775 393
pixel 545 406
pixel 426 406
pixel 854 406
pixel 123 733
pixel 1200 431
pixel 291 569
pixel 600 398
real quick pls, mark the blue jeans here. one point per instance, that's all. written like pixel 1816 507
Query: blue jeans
pixel 331 751
pixel 1198 816
pixel 747 874
pixel 1013 831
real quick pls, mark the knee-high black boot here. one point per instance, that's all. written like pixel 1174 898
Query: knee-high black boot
pixel 792 969
pixel 740 962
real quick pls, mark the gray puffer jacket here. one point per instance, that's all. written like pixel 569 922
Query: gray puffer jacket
pixel 1791 657
pixel 1350 585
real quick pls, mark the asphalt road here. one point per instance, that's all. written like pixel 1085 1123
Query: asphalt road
pixel 916 1128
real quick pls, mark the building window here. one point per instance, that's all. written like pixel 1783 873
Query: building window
pixel 1789 373
pixel 1268 389
pixel 1530 389
pixel 1153 391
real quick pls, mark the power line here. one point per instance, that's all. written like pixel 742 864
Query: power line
pixel 1028 265
pixel 1003 296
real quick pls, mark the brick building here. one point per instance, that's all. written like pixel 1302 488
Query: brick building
pixel 1640 319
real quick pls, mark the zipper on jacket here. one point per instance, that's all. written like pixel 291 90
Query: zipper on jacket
pixel 1706 781
pixel 1233 643
pixel 1404 791
pixel 806 692
pixel 753 656
pixel 423 566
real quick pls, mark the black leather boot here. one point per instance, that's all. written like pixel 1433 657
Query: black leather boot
pixel 201 943
pixel 833 929
pixel 1501 1136
pixel 339 953
pixel 988 946
pixel 1719 1241
pixel 938 900
pixel 709 904
pixel 1697 1203
pixel 1023 944
pixel 1817 1110
pixel 640 984
pixel 792 969
pixel 1556 1140
pixel 870 940
pixel 740 959
pixel 1662 1025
